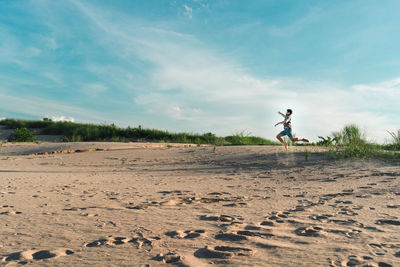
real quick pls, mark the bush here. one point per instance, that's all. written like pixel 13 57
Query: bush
pixel 22 135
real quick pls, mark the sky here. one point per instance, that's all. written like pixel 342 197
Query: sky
pixel 220 66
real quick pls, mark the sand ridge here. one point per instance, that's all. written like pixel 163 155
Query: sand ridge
pixel 193 206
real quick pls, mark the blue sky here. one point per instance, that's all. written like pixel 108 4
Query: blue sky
pixel 220 66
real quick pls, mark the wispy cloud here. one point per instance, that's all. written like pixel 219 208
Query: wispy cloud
pixel 94 89
pixel 313 15
pixel 188 11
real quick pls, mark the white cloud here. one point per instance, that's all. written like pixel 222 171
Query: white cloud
pixel 188 11
pixel 296 26
pixel 61 118
pixel 94 89
pixel 391 87
pixel 39 107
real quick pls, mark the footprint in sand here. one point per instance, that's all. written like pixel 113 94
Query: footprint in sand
pixel 231 237
pixel 349 234
pixel 276 217
pixel 140 242
pixel 240 204
pixel 142 206
pixel 174 192
pixel 267 223
pixel 188 234
pixel 347 212
pixel 241 235
pixel 25 256
pixel 171 257
pixel 324 218
pixel 377 249
pixel 354 260
pixel 222 252
pixel 220 218
pixel 12 212
pixel 309 231
pixel 346 222
pixel 390 222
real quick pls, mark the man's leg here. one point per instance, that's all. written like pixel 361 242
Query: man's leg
pixel 279 137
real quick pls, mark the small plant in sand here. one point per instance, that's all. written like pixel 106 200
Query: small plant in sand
pixel 307 154
pixel 22 135
pixel 215 149
pixel 123 161
pixel 328 141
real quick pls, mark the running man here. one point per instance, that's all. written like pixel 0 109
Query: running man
pixel 287 129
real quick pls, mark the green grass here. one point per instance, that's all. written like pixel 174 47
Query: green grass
pixel 351 142
pixel 22 135
pixel 395 145
pixel 245 139
pixel 78 132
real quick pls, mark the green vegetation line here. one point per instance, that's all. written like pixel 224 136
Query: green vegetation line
pixel 77 132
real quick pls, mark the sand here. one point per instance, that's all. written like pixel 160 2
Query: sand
pixel 165 205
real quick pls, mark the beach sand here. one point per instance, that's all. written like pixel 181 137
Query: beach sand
pixel 160 205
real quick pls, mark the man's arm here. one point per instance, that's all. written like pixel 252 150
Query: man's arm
pixel 280 113
pixel 283 122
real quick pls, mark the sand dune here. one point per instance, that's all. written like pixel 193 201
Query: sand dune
pixel 159 205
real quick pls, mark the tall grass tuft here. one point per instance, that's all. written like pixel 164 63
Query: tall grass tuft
pixel 351 143
pixel 395 145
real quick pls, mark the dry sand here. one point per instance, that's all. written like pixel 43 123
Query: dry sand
pixel 145 205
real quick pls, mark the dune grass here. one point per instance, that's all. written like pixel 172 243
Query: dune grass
pixel 22 135
pixel 77 132
pixel 351 142
pixel 242 138
pixel 395 144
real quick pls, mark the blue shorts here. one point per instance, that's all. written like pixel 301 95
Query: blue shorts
pixel 287 131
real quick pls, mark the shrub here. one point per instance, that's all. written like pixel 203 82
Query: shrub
pixel 22 135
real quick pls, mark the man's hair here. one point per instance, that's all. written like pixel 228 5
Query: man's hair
pixel 290 111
